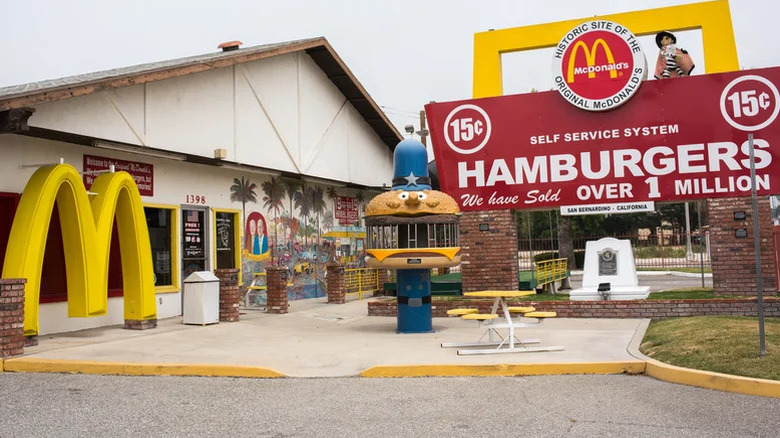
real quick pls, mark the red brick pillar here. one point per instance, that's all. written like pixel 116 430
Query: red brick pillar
pixel 12 316
pixel 276 282
pixel 488 241
pixel 337 292
pixel 733 257
pixel 229 294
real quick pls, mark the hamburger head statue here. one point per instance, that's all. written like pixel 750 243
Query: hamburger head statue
pixel 412 228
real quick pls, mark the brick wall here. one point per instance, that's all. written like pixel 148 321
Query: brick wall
pixel 733 258
pixel 488 256
pixel 11 317
pixel 656 309
pixel 229 294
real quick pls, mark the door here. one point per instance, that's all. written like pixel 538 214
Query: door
pixel 194 242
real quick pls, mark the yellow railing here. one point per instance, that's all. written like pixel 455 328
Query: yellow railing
pixel 550 271
pixel 361 280
pixel 256 289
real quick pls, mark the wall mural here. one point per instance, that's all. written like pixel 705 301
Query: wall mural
pixel 292 223
pixel 255 240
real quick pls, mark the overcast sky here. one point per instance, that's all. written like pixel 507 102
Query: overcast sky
pixel 404 52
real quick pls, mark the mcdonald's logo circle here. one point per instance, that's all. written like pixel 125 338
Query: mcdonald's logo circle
pixel 598 65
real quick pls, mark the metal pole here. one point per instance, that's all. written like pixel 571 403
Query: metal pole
pixel 701 242
pixel 423 137
pixel 757 243
pixel 530 243
pixel 688 250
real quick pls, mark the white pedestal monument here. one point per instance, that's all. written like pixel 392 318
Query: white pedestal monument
pixel 609 260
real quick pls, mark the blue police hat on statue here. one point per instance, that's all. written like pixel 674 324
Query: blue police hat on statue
pixel 410 166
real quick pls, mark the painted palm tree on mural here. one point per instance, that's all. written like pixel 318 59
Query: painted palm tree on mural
pixel 318 206
pixel 273 199
pixel 327 220
pixel 332 194
pixel 360 197
pixel 243 191
pixel 291 189
pixel 303 203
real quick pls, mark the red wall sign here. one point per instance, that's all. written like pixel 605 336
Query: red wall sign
pixel 142 173
pixel 346 209
pixel 676 139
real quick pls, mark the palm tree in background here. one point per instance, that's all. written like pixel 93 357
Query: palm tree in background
pixel 291 189
pixel 243 191
pixel 274 195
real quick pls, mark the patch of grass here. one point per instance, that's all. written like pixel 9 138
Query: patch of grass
pixel 724 344
pixel 707 270
pixel 693 293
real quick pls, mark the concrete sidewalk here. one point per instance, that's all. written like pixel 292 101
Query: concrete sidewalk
pixel 317 339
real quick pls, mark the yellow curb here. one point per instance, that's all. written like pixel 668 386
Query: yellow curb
pixel 712 380
pixel 1 365
pixel 36 365
pixel 628 367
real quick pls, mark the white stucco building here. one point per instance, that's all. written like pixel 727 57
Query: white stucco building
pixel 239 155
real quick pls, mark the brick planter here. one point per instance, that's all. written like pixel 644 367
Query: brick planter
pixel 12 316
pixel 656 309
pixel 276 291
pixel 229 294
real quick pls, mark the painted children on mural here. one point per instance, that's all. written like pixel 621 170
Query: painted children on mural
pixel 256 242
pixel 672 61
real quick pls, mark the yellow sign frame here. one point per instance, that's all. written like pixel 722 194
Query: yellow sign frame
pixel 713 18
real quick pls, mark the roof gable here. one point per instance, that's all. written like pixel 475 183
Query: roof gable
pixel 318 49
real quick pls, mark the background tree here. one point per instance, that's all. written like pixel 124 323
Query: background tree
pixel 243 191
pixel 565 242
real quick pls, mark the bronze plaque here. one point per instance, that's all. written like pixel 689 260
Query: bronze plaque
pixel 608 262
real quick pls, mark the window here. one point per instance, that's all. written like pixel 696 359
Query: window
pixel 226 235
pixel 159 221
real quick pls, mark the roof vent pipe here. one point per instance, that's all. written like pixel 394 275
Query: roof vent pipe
pixel 229 46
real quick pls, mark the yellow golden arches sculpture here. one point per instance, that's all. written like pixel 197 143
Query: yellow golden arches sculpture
pixel 86 234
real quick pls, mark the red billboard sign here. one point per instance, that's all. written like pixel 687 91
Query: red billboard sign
pixel 142 173
pixel 676 139
pixel 346 209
